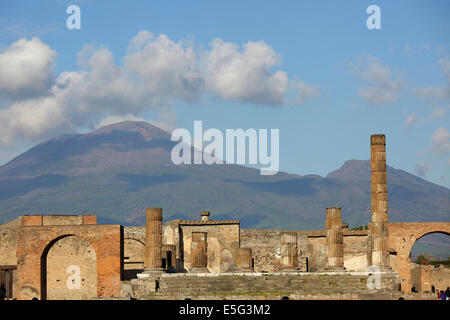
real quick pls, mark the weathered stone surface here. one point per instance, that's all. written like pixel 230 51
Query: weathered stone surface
pixel 153 239
pixel 244 260
pixel 379 201
pixel 199 252
pixel 42 247
pixel 289 250
pixel 249 286
pixel 35 242
pixel 222 243
pixel 335 238
pixel 65 258
pixel 402 236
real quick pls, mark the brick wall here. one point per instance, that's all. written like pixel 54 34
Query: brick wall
pixel 35 242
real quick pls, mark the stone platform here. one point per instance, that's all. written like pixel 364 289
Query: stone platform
pixel 301 285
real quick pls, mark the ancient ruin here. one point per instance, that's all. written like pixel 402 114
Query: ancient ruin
pixel 72 257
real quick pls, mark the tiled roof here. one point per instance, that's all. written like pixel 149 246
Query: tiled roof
pixel 207 222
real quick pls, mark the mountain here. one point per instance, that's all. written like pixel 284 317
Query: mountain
pixel 118 170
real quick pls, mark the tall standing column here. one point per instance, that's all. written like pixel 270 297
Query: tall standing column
pixel 379 201
pixel 153 240
pixel 335 238
pixel 199 252
pixel 289 251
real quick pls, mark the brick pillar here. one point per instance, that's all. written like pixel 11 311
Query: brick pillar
pixel 199 252
pixel 244 260
pixel 289 251
pixel 335 238
pixel 153 240
pixel 379 201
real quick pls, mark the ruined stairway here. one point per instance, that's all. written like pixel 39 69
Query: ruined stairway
pixel 181 287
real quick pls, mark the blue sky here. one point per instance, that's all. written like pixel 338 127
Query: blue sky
pixel 343 82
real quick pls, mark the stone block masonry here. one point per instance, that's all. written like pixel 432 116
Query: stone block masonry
pixel 34 242
pixel 379 201
pixel 244 260
pixel 199 252
pixel 289 251
pixel 153 240
pixel 335 238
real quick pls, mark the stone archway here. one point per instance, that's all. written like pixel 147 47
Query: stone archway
pixel 69 269
pixel 34 240
pixel 133 258
pixel 402 236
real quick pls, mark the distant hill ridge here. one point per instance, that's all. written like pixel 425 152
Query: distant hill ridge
pixel 118 170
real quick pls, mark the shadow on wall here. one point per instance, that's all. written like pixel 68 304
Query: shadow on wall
pixel 130 274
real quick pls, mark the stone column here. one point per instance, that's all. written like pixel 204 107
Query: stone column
pixel 244 260
pixel 153 240
pixel 205 215
pixel 199 252
pixel 289 251
pixel 335 239
pixel 379 201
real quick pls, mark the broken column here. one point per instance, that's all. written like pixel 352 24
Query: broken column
pixel 335 239
pixel 379 201
pixel 289 251
pixel 244 261
pixel 205 215
pixel 153 240
pixel 199 252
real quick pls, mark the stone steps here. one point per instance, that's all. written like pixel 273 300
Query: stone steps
pixel 192 286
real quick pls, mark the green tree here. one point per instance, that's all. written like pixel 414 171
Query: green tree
pixel 422 259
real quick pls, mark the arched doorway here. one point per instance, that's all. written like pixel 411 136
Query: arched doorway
pixel 429 259
pixel 133 258
pixel 68 269
pixel 402 237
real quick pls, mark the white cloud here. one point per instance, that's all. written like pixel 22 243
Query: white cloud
pixel 445 67
pixel 431 93
pixel 142 38
pixel 381 88
pixel 156 72
pixel 26 68
pixel 421 169
pixel 441 141
pixel 115 119
pixel 77 99
pixel 411 120
pixel 437 113
pixel 306 92
pixel 166 67
pixel 167 120
pixel 31 119
pixel 243 73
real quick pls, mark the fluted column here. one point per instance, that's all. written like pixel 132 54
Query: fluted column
pixel 153 240
pixel 289 251
pixel 379 201
pixel 335 238
pixel 244 260
pixel 199 252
